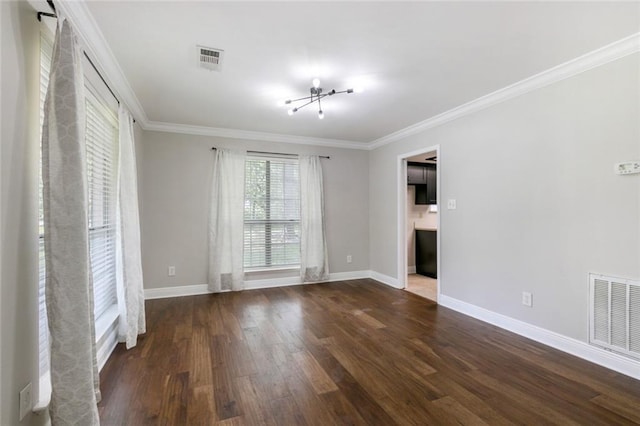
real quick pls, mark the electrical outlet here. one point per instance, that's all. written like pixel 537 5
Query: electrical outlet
pixel 349 258
pixel 451 204
pixel 26 403
pixel 172 271
pixel 527 299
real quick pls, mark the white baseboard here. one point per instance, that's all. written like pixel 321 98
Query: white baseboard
pixel 411 269
pixel 385 279
pixel 177 291
pixel 352 275
pixel 194 290
pixel 271 283
pixel 566 344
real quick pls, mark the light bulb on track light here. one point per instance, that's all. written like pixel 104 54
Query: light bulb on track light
pixel 320 114
pixel 316 82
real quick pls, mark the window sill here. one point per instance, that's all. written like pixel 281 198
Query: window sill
pixel 44 394
pixel 103 325
pixel 274 269
pixel 106 320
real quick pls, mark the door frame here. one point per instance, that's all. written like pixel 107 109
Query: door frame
pixel 401 167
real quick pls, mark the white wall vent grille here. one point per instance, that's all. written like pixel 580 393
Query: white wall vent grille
pixel 210 58
pixel 614 314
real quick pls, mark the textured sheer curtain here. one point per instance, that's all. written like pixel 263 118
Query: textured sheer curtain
pixel 128 257
pixel 314 263
pixel 226 221
pixel 69 290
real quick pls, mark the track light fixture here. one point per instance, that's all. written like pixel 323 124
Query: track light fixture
pixel 316 95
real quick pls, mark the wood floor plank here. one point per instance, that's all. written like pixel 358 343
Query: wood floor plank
pixel 307 400
pixel 620 407
pixel 367 319
pixel 224 394
pixel 254 404
pixel 316 375
pixel 173 409
pixel 362 401
pixel 469 400
pixel 200 365
pixel 201 408
pixel 352 352
pixel 285 412
pixel 459 411
pixel 511 392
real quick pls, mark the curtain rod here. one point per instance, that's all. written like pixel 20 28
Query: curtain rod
pixel 276 153
pixel 53 15
pixel 101 77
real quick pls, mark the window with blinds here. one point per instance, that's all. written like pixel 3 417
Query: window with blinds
pixel 101 150
pixel 271 213
pixel 102 143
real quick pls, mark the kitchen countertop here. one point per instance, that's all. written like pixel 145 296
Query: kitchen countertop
pixel 420 228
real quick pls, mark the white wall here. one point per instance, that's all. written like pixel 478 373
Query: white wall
pixel 19 232
pixel 176 173
pixel 538 205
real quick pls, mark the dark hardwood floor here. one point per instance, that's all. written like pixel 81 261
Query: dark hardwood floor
pixel 351 352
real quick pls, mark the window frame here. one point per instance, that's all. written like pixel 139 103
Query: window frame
pixel 269 266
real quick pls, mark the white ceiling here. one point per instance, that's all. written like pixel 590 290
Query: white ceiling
pixel 414 59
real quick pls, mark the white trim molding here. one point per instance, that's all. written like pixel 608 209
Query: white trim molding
pixel 401 214
pixel 106 345
pixel 385 279
pixel 94 42
pixel 106 335
pixel 96 46
pixel 611 52
pixel 185 129
pixel 177 291
pixel 198 289
pixel 566 344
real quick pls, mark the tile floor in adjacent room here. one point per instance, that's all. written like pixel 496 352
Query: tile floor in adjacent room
pixel 423 286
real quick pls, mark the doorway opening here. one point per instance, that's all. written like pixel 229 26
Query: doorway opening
pixel 419 222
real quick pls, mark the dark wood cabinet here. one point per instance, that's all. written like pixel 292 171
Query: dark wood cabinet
pixel 427 253
pixel 416 174
pixel 426 193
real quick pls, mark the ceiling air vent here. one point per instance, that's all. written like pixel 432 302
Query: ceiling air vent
pixel 210 58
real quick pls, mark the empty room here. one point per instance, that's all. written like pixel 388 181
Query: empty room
pixel 319 212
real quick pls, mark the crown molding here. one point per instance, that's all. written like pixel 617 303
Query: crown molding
pixel 93 41
pixel 611 52
pixel 96 46
pixel 250 135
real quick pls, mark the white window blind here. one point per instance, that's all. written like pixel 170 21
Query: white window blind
pixel 101 145
pixel 271 213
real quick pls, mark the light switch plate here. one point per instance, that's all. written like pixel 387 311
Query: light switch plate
pixel 627 168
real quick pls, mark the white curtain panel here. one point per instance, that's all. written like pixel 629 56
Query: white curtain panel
pixel 69 290
pixel 128 257
pixel 226 221
pixel 314 262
